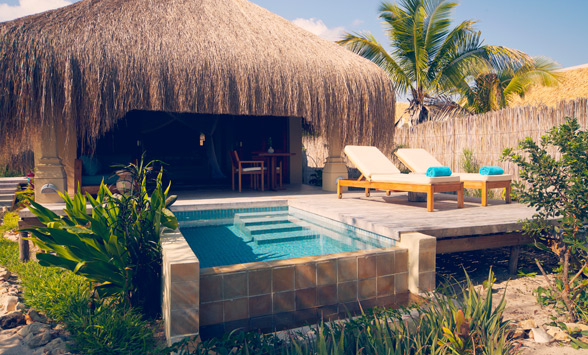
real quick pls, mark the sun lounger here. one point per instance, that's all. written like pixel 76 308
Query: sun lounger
pixel 419 160
pixel 379 173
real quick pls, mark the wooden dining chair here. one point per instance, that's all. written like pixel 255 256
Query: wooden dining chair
pixel 254 168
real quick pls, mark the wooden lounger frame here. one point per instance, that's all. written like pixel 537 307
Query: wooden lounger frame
pixel 480 185
pixel 486 185
pixel 429 189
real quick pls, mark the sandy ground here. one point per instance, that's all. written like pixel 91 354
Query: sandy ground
pixel 521 302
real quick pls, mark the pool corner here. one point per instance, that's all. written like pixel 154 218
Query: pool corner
pixel 180 286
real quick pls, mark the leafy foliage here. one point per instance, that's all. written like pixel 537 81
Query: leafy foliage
pixel 110 329
pixel 316 178
pixel 456 321
pixel 430 58
pixel 494 89
pixel 116 246
pixel 9 222
pixel 468 163
pixel 554 181
pixel 66 297
pixel 24 197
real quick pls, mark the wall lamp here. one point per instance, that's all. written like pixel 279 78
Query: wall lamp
pixel 49 189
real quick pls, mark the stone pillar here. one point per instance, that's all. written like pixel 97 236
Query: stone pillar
pixel 422 251
pixel 335 165
pixel 48 167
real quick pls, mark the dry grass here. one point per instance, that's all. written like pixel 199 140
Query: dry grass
pixel 94 61
pixel 574 84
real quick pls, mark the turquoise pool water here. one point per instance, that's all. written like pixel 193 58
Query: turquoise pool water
pixel 236 236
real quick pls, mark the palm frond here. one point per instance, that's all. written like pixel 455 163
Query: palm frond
pixel 451 44
pixel 538 71
pixel 366 45
pixel 436 25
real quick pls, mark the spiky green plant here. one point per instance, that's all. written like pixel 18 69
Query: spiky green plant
pixel 116 246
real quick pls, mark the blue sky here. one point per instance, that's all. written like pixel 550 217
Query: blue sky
pixel 556 29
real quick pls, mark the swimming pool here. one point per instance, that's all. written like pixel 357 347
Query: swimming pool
pixel 271 266
pixel 236 236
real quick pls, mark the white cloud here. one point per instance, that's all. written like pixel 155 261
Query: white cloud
pixel 29 7
pixel 319 28
pixel 357 22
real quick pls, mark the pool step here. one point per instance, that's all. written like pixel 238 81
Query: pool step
pixel 8 188
pixel 257 221
pixel 282 237
pixel 271 228
pixel 261 214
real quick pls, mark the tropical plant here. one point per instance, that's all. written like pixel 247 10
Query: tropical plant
pixel 429 59
pixel 494 89
pixel 556 186
pixel 102 327
pixel 116 246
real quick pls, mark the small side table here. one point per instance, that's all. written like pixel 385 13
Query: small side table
pixel 273 157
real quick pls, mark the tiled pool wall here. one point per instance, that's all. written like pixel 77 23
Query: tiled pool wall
pixel 287 293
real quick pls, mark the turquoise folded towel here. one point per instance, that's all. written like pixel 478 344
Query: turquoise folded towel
pixel 491 170
pixel 436 171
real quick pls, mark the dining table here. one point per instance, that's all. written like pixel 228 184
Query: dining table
pixel 273 160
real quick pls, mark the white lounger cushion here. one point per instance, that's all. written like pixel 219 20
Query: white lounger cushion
pixel 370 161
pixel 413 178
pixel 374 165
pixel 419 160
pixel 480 177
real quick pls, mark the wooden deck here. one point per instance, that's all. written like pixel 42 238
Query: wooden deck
pixel 470 228
pixel 477 227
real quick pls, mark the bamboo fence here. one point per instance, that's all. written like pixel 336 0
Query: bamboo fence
pixel 486 135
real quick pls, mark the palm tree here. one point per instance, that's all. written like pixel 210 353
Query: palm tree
pixel 429 59
pixel 494 90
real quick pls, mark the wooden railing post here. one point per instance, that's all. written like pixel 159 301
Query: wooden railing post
pixel 23 247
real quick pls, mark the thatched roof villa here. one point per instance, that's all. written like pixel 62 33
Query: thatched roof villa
pixel 96 73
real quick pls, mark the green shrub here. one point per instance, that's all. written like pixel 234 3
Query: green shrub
pixel 556 187
pixel 456 321
pixel 24 197
pixel 10 222
pixel 109 329
pixel 468 163
pixel 116 246
pixel 66 297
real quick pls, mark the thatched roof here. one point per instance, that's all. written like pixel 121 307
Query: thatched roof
pixel 573 84
pixel 95 60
